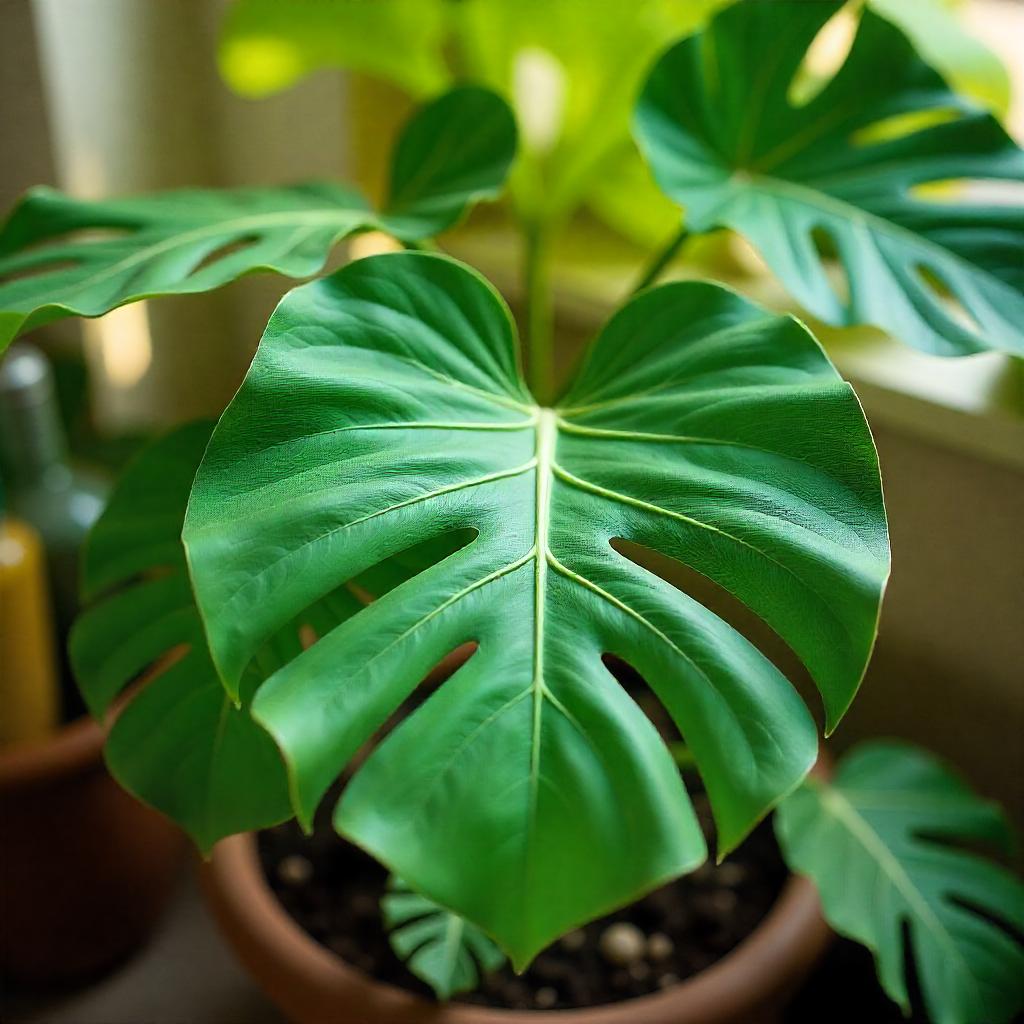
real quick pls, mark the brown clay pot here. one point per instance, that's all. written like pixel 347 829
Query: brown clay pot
pixel 85 869
pixel 312 985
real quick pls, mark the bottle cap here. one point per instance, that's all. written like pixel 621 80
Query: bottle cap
pixel 25 375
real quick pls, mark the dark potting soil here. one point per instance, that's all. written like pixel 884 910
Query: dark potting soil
pixel 333 890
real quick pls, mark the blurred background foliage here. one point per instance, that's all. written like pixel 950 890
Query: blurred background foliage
pixel 571 70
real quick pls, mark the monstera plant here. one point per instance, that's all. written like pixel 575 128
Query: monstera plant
pixel 388 487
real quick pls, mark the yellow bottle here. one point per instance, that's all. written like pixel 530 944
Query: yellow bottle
pixel 29 697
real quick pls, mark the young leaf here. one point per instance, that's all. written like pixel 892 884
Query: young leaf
pixel 699 426
pixel 180 744
pixel 725 141
pixel 439 947
pixel 877 843
pixel 61 256
pixel 457 151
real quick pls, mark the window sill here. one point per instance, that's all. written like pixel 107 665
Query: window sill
pixel 973 405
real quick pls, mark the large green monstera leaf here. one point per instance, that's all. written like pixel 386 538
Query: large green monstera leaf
pixel 179 744
pixel 61 256
pixel 385 407
pixel 838 173
pixel 879 843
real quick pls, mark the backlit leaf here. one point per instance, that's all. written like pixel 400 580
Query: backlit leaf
pixel 838 174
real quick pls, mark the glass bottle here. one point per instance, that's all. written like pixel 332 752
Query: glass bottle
pixel 59 499
pixel 29 698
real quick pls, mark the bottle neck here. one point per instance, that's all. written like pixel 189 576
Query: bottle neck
pixel 32 441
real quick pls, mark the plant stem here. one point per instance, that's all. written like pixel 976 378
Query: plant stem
pixel 540 311
pixel 662 260
pixel 682 755
pixel 422 245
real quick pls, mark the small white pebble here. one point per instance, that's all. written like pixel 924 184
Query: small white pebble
pixel 622 943
pixel 660 946
pixel 724 901
pixel 294 870
pixel 574 941
pixel 639 971
pixel 546 998
pixel 731 874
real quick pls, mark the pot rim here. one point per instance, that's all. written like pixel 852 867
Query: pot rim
pixel 72 748
pixel 792 933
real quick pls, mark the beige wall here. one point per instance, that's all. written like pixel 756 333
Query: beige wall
pixel 949 666
pixel 129 95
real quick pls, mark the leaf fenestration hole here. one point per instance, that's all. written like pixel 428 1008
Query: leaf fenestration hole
pixel 829 253
pixel 434 679
pixel 1007 926
pixel 944 296
pixel 39 269
pixel 227 249
pixel 52 251
pixel 911 974
pixel 644 697
pixel 982 191
pixel 337 605
pixel 729 609
pixel 898 126
pixel 824 58
pixel 388 574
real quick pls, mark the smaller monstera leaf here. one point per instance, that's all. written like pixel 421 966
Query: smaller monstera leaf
pixel 180 744
pixel 838 174
pixel 61 256
pixel 940 35
pixel 877 841
pixel 456 152
pixel 699 426
pixel 446 951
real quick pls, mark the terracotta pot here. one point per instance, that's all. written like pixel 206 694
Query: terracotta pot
pixel 85 868
pixel 312 985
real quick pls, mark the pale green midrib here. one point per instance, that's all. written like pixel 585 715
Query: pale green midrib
pixel 305 814
pixel 226 708
pixel 341 217
pixel 546 433
pixel 717 336
pixel 254 579
pixel 568 427
pixel 627 499
pixel 801 139
pixel 454 928
pixel 627 609
pixel 835 802
pixel 496 574
pixel 491 396
pixel 407 425
pixel 688 391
